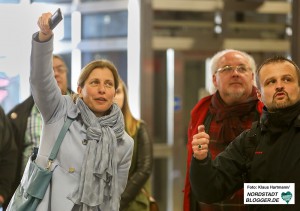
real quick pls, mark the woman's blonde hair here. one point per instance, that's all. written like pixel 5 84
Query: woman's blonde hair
pixel 131 123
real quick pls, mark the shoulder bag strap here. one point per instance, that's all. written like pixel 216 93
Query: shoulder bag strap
pixel 59 140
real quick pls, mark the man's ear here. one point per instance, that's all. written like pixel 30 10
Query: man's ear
pixel 214 80
pixel 258 93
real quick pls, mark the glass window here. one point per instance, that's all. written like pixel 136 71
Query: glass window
pixel 10 1
pixel 96 0
pixel 52 1
pixel 119 58
pixel 67 27
pixel 104 25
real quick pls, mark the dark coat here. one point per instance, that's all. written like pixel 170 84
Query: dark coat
pixel 271 160
pixel 18 117
pixel 8 154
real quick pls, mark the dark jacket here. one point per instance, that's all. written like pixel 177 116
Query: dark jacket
pixel 254 157
pixel 140 170
pixel 8 155
pixel 18 117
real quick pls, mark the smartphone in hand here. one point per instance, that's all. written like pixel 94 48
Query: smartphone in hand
pixel 55 19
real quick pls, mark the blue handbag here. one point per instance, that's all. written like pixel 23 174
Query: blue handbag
pixel 36 179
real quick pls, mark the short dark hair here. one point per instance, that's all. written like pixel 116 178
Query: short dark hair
pixel 276 59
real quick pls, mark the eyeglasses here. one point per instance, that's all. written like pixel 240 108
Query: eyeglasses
pixel 60 70
pixel 229 68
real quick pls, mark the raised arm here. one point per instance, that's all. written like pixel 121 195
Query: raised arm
pixel 44 88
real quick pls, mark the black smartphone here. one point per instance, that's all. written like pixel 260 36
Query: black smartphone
pixel 55 19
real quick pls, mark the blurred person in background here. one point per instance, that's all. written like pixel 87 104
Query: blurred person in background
pixel 8 161
pixel 133 198
pixel 226 113
pixel 26 119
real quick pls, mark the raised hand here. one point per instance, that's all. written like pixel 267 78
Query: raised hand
pixel 45 32
pixel 200 143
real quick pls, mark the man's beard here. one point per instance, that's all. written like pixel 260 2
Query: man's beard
pixel 237 94
pixel 275 106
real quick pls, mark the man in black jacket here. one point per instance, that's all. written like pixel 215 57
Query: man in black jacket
pixel 26 119
pixel 8 161
pixel 268 153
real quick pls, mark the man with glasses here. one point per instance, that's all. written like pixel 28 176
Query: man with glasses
pixel 27 122
pixel 226 113
pixel 268 153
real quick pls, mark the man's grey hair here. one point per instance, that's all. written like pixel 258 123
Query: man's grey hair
pixel 216 58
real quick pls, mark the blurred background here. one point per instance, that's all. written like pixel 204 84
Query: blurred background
pixel 161 49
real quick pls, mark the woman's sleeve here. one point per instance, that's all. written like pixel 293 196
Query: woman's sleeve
pixel 143 168
pixel 44 88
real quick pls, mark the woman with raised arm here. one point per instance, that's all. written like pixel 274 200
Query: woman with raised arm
pixel 91 169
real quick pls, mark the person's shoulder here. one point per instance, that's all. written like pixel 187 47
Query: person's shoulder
pixel 205 101
pixel 127 139
pixel 142 124
pixel 249 139
pixel 28 102
pixel 250 132
pixel 125 144
pixel 71 107
pixel 22 108
pixel 201 108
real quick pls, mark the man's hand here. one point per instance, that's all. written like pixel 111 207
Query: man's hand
pixel 45 32
pixel 200 143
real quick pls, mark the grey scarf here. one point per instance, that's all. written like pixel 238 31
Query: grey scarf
pixel 98 180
